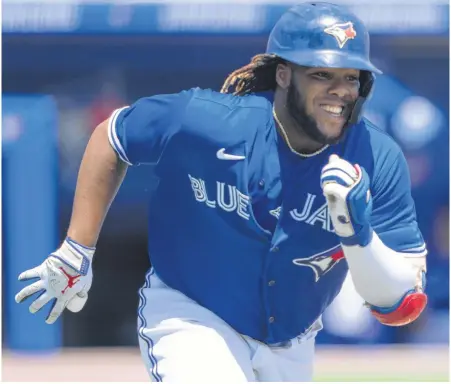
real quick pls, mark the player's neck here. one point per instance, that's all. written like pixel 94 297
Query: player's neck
pixel 294 137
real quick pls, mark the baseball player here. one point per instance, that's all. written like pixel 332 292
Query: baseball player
pixel 261 208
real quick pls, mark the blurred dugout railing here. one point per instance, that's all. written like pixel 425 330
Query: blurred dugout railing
pixel 91 57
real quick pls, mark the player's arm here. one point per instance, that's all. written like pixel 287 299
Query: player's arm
pixel 100 176
pixel 380 238
pixel 133 135
pixel 65 277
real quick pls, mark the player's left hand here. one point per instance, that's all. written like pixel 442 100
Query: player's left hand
pixel 346 188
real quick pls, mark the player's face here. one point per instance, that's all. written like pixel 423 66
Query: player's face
pixel 321 100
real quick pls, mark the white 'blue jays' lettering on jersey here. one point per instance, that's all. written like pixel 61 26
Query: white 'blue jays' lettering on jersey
pixel 238 223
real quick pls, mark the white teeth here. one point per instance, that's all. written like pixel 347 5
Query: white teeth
pixel 332 109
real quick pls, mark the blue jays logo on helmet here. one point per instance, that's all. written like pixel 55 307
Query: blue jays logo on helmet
pixel 322 262
pixel 342 32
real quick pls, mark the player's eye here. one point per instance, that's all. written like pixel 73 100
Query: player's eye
pixel 321 75
pixel 353 78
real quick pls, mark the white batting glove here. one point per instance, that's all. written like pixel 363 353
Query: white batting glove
pixel 64 277
pixel 346 188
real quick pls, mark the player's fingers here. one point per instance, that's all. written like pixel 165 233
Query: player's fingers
pixel 77 303
pixel 344 166
pixel 30 274
pixel 42 300
pixel 333 158
pixel 56 310
pixel 336 176
pixel 334 191
pixel 29 290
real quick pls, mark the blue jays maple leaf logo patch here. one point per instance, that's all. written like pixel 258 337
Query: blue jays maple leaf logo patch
pixel 342 32
pixel 322 262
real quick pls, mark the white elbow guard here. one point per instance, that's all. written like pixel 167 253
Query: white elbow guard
pixel 406 310
pixel 392 283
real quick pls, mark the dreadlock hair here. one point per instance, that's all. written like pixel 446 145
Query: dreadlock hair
pixel 257 76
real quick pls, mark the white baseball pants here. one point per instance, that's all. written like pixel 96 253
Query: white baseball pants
pixel 181 341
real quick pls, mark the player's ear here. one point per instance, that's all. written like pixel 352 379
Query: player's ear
pixel 283 75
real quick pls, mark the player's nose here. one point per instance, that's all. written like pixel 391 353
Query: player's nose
pixel 342 89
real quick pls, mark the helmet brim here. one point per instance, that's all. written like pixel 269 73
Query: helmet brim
pixel 329 59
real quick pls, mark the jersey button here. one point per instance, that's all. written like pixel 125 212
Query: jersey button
pixel 271 283
pixel 261 183
pixel 271 319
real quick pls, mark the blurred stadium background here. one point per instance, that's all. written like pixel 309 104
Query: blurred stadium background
pixel 68 63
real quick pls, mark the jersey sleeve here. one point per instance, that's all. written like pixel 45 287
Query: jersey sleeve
pixel 394 215
pixel 140 132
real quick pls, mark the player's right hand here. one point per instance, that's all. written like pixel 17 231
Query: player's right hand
pixel 347 191
pixel 65 278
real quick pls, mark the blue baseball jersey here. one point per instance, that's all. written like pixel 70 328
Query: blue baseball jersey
pixel 238 222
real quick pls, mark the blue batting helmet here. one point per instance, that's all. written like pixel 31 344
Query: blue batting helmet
pixel 321 35
pixel 325 35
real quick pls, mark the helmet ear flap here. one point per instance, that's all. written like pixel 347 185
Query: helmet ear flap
pixel 366 86
pixel 366 83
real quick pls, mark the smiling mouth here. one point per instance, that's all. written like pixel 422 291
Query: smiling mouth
pixel 336 111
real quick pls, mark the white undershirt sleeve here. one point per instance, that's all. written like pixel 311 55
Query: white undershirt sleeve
pixel 381 275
